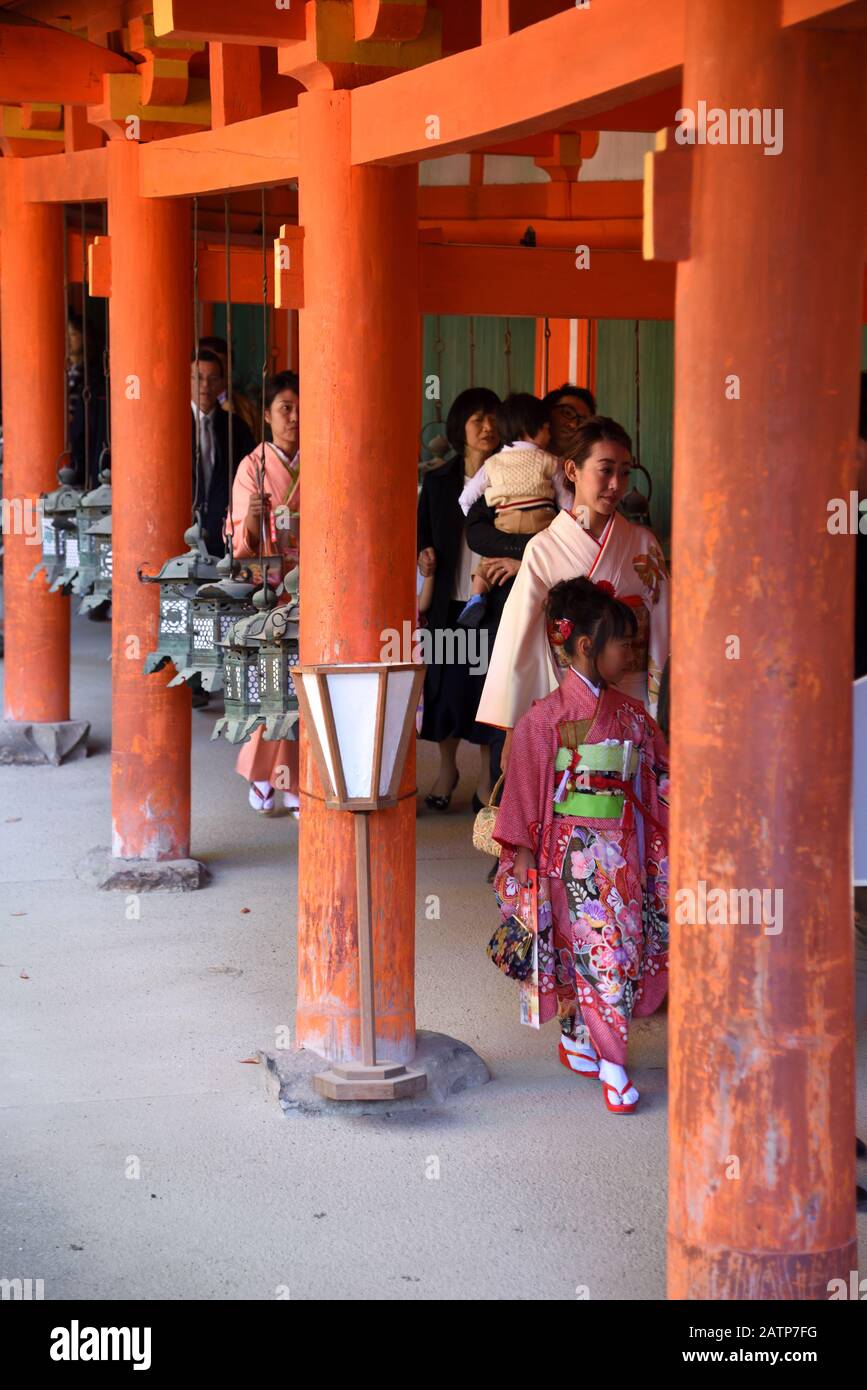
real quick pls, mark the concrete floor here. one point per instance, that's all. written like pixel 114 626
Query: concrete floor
pixel 124 1040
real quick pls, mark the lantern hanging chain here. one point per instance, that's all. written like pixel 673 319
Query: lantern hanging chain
pixel 106 360
pixel 66 441
pixel 85 388
pixel 197 459
pixel 230 530
pixel 472 351
pixel 439 349
pixel 507 353
pixel 589 354
pixel 545 356
pixel 637 450
pixel 262 519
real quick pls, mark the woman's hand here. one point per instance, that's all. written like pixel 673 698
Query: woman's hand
pixel 427 562
pixel 525 860
pixel 502 570
pixel 506 752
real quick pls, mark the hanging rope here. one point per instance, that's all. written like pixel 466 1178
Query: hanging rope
pixel 106 362
pixel 66 441
pixel 85 389
pixel 589 354
pixel 545 355
pixel 197 460
pixel 637 450
pixel 507 353
pixel 439 349
pixel 230 529
pixel 472 352
pixel 263 517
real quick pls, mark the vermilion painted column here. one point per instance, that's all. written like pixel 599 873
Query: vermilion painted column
pixel 762 1057
pixel 150 321
pixel 360 393
pixel 33 330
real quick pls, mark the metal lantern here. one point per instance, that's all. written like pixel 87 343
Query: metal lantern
pixel 214 608
pixel 242 687
pixel 94 505
pixel 278 654
pixel 57 520
pixel 100 531
pixel 179 579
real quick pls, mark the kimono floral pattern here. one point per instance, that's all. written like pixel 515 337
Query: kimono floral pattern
pixel 650 568
pixel 603 884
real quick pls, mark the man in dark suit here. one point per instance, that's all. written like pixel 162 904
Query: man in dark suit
pixel 212 489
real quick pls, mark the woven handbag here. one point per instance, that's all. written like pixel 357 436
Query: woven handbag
pixel 483 826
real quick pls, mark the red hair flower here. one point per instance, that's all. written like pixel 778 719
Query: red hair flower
pixel 564 628
pixel 606 588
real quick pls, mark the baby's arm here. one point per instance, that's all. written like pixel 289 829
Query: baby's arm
pixel 474 490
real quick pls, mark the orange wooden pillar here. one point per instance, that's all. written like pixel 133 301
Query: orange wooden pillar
pixel 150 321
pixel 360 382
pixel 767 359
pixel 33 330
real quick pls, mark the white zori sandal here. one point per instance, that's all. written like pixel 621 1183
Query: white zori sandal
pixel 261 798
pixel 582 1058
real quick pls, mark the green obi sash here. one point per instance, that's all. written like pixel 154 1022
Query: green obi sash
pixel 595 757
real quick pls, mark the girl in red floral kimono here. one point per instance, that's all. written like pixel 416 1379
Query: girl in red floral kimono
pixel 586 803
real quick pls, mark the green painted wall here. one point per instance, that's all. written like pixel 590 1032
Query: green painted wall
pixel 616 394
pixel 489 356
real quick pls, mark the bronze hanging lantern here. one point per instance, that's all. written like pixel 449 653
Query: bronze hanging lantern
pixel 179 579
pixel 635 506
pixel 214 608
pixel 57 512
pixel 94 505
pixel 242 688
pixel 100 533
pixel 278 655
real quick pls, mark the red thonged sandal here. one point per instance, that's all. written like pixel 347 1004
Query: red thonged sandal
pixel 622 1108
pixel 591 1067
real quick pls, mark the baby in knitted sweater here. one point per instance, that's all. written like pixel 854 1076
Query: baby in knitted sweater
pixel 524 484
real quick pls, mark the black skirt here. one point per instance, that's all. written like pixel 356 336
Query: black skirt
pixel 452 689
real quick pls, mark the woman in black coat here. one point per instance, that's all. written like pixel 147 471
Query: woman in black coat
pixel 451 691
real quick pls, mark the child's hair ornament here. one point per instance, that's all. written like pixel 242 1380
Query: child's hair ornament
pixel 564 628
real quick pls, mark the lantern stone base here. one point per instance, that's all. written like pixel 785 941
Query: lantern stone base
pixel 447 1065
pixel 58 743
pixel 102 870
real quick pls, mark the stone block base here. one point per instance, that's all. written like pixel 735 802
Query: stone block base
pixel 449 1065
pixel 101 870
pixel 54 744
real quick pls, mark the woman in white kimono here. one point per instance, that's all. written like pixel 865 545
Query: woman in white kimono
pixel 594 540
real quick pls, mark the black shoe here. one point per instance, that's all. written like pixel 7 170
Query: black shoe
pixel 473 612
pixel 441 803
pixel 860 1198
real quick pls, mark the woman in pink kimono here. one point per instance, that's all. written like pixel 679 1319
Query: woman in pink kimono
pixel 269 766
pixel 595 540
pixel 586 805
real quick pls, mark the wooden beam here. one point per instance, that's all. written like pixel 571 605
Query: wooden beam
pixel 608 198
pixel 614 234
pixel 483 95
pixel 824 14
pixel 395 21
pixel 42 64
pixel 227 21
pixel 67 178
pixel 123 102
pixel 537 282
pixel 248 154
pixel 236 83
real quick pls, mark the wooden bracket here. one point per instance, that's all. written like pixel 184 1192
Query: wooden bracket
pixel 289 268
pixel 667 200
